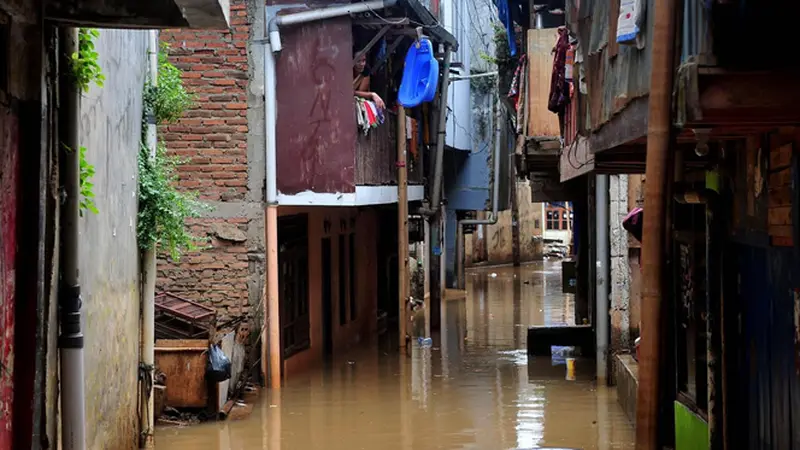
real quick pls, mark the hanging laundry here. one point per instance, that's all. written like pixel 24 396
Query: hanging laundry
pixel 368 115
pixel 513 90
pixel 558 91
pixel 504 13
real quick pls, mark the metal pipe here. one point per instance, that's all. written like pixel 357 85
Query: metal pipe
pixel 272 311
pixel 658 144
pixel 438 168
pixel 601 277
pixel 426 267
pixel 471 77
pixel 149 281
pixel 314 15
pixel 70 339
pixel 402 227
pixel 495 191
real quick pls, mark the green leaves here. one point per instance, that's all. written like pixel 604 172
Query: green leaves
pixel 163 209
pixel 84 64
pixel 86 175
pixel 168 99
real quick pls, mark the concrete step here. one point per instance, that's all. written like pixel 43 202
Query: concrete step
pixel 541 339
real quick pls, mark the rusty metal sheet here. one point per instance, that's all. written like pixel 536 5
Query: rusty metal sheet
pixel 316 122
pixel 180 318
pixel 183 361
pixel 9 172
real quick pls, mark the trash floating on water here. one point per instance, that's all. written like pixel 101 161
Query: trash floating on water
pixel 425 342
pixel 493 275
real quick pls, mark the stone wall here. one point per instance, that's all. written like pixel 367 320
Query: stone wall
pixel 110 129
pixel 620 268
pixel 222 139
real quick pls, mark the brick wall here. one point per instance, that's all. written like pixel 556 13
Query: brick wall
pixel 213 139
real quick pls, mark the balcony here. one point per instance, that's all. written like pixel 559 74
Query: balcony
pixel 376 156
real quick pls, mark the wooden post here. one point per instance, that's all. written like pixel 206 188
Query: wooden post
pixel 402 224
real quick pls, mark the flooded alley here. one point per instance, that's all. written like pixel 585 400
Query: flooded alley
pixel 474 388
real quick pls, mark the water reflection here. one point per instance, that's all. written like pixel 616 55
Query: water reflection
pixel 474 389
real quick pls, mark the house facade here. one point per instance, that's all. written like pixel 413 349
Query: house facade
pixel 51 277
pixel 688 110
pixel 336 175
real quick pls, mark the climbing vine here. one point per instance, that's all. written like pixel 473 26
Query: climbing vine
pixel 163 209
pixel 85 67
pixel 85 71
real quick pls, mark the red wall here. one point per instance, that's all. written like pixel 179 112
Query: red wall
pixel 9 168
pixel 316 119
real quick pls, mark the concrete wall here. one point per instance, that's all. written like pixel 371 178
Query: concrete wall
pixel 365 324
pixel 496 239
pixel 110 126
pixel 635 199
pixel 223 139
pixel 619 264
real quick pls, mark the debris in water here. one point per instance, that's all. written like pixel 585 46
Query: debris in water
pixel 493 275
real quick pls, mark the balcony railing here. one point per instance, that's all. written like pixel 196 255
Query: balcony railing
pixel 376 156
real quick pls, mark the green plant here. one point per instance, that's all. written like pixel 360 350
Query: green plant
pixel 168 99
pixel 86 175
pixel 163 209
pixel 84 64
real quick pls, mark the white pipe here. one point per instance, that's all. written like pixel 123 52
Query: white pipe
pixel 470 77
pixel 319 14
pixel 149 266
pixel 601 316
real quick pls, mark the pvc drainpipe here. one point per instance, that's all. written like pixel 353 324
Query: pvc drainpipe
pixel 70 339
pixel 438 168
pixel 659 131
pixel 148 275
pixel 271 334
pixel 495 198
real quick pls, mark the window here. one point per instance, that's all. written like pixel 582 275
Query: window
pixel 352 278
pixel 293 290
pixel 552 220
pixel 342 281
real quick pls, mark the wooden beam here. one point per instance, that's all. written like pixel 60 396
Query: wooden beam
pixel 627 126
pixel 735 99
pixel 372 42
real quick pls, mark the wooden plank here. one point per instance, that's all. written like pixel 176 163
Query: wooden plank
pixel 541 122
pixel 576 160
pixel 781 215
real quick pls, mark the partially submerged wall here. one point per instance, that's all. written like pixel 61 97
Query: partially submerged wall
pixel 496 239
pixel 222 138
pixel 110 129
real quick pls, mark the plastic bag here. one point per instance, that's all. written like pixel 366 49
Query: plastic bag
pixel 631 22
pixel 218 366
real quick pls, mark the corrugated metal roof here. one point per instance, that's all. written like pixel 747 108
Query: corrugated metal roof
pixel 613 81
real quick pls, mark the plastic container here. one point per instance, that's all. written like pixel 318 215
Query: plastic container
pixel 420 75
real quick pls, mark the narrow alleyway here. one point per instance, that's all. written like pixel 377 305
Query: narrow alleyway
pixel 475 388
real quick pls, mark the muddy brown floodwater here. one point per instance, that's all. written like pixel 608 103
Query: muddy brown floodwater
pixel 474 389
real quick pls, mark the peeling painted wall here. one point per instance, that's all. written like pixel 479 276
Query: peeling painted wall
pixel 9 173
pixel 497 238
pixel 316 125
pixel 110 129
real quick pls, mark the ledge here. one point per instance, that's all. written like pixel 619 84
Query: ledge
pixel 198 14
pixel 363 196
pixel 627 378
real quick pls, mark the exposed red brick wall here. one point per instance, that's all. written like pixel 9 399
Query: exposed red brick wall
pixel 212 139
pixel 213 136
pixel 216 276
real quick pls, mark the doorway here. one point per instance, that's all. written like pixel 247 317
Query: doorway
pixel 327 299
